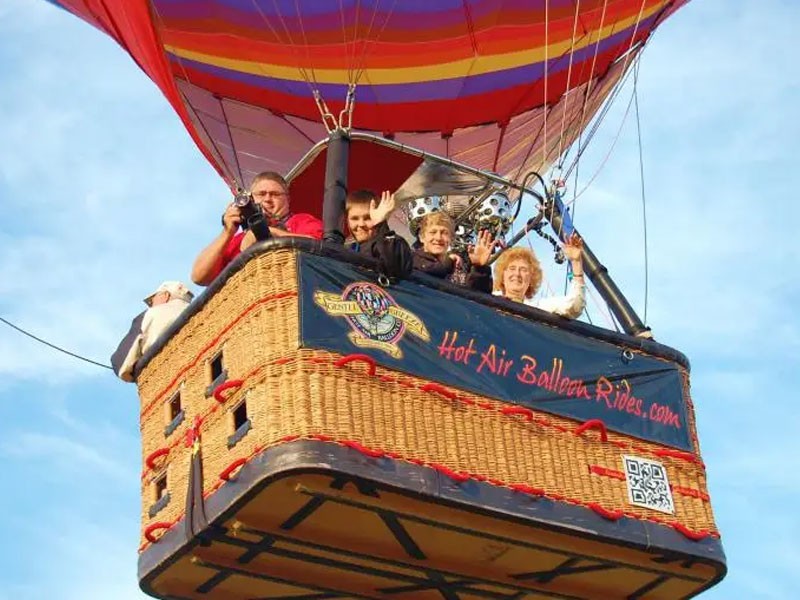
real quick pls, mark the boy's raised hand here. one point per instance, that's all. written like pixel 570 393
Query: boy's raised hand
pixel 380 211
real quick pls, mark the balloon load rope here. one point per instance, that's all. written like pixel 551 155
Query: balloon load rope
pixel 536 223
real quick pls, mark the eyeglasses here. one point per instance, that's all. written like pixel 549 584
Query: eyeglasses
pixel 267 194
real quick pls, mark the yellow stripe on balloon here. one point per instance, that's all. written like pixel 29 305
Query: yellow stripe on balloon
pixel 424 73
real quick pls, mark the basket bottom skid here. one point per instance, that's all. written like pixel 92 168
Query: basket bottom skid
pixel 314 520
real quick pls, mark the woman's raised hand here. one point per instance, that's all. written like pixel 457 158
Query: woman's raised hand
pixel 480 253
pixel 573 248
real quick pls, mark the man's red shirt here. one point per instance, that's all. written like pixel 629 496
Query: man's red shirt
pixel 300 223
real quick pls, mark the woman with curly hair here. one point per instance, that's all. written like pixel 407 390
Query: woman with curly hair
pixel 518 276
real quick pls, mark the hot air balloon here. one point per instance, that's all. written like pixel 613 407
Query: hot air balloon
pixel 310 430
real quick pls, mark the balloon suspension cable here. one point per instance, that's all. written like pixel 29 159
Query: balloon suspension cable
pixel 346 116
pixel 345 120
pixel 533 224
pixel 328 118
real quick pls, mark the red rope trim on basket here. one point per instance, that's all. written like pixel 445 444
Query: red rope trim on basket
pixel 598 470
pixel 357 358
pixel 439 389
pixel 680 455
pixel 212 343
pixel 436 388
pixel 691 492
pixel 604 512
pixel 363 449
pixel 458 476
pixel 684 491
pixel 540 420
pixel 593 424
pixel 514 411
pixel 505 411
pixel 695 536
pixel 228 471
pixel 526 489
pixel 610 515
pixel 233 384
pixel 150 461
pixel 461 476
pixel 153 527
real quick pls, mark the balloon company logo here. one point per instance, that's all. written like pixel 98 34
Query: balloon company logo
pixel 377 320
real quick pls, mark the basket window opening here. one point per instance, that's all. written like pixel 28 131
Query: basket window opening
pixel 173 413
pixel 175 406
pixel 160 486
pixel 240 415
pixel 240 423
pixel 217 374
pixel 217 367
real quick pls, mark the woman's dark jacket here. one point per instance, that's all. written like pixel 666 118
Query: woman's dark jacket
pixel 478 278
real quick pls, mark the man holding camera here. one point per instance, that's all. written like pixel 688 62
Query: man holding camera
pixel 271 195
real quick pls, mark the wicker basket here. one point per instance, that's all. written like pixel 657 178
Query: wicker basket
pixel 290 393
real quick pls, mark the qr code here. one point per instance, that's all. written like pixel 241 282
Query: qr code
pixel 648 485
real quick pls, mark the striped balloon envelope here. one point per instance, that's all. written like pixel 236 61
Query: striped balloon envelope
pixel 502 85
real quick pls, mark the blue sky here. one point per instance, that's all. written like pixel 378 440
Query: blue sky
pixel 103 195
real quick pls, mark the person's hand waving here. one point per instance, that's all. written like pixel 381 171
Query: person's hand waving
pixel 380 211
pixel 573 247
pixel 480 253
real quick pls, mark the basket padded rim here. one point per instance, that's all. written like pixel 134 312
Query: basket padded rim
pixel 311 456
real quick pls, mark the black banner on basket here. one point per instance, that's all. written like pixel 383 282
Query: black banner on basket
pixel 454 341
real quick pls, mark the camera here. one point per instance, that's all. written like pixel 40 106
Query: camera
pixel 252 215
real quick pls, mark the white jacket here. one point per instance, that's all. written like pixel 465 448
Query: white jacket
pixel 156 321
pixel 570 306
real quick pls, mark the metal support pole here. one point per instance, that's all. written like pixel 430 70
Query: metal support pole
pixel 598 274
pixel 336 166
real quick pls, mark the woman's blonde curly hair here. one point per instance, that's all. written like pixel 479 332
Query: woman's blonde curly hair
pixel 510 255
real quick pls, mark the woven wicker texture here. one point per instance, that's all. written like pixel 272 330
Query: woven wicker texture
pixel 303 393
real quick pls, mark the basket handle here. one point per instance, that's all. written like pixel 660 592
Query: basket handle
pixel 345 360
pixel 149 533
pixel 227 473
pixel 520 411
pixel 150 461
pixel 593 424
pixel 233 384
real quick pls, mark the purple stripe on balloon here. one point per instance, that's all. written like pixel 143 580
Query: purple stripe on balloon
pixel 444 89
pixel 310 8
pixel 414 16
